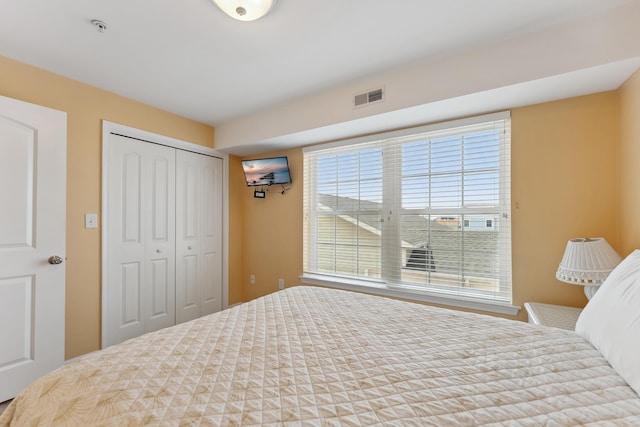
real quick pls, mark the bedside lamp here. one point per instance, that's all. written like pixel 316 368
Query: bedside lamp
pixel 587 262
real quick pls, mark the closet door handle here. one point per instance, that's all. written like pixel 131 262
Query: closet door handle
pixel 158 251
pixel 189 247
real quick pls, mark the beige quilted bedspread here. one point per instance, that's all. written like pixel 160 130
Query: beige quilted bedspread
pixel 310 356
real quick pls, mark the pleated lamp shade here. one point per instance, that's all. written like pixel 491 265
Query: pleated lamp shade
pixel 587 262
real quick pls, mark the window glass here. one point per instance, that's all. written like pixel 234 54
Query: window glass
pixel 426 210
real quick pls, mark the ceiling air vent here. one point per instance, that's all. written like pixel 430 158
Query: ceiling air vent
pixel 363 99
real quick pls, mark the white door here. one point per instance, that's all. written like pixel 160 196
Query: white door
pixel 198 235
pixel 188 260
pixel 211 239
pixel 33 141
pixel 161 238
pixel 141 249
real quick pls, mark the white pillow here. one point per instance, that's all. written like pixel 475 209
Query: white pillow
pixel 611 320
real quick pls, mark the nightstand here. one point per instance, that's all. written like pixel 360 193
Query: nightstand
pixel 557 316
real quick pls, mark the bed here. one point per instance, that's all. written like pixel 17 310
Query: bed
pixel 314 356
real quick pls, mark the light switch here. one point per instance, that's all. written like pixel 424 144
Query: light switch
pixel 90 220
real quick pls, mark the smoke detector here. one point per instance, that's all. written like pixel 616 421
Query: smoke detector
pixel 100 26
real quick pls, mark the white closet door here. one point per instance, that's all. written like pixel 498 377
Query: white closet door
pixel 211 241
pixel 160 245
pixel 198 235
pixel 141 285
pixel 188 199
pixel 126 239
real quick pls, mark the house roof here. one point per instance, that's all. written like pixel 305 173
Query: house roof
pixel 414 227
pixel 419 232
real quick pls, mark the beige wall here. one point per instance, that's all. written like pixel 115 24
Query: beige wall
pixel 564 185
pixel 630 165
pixel 86 106
pixel 271 232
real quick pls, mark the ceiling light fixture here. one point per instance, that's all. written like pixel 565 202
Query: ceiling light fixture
pixel 245 10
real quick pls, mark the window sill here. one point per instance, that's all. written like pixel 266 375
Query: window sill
pixel 383 290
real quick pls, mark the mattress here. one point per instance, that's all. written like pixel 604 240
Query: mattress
pixel 319 357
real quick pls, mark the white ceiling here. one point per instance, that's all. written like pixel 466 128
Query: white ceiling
pixel 189 58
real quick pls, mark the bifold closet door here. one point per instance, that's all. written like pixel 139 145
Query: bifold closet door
pixel 141 245
pixel 198 235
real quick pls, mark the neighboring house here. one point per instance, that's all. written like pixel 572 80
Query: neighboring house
pixel 474 222
pixel 480 223
pixel 350 244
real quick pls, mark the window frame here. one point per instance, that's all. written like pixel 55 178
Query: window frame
pixel 389 253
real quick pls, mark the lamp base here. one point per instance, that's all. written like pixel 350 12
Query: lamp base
pixel 590 291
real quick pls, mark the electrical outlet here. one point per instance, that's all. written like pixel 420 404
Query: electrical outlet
pixel 252 279
pixel 280 283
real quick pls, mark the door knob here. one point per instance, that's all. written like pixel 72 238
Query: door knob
pixel 55 260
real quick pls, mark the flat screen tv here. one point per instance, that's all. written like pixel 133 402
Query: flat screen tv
pixel 273 170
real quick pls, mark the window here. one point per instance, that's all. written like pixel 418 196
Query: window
pixel 421 212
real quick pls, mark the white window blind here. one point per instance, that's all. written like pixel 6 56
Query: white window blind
pixel 426 210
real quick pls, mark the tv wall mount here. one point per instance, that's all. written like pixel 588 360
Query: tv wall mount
pixel 262 193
